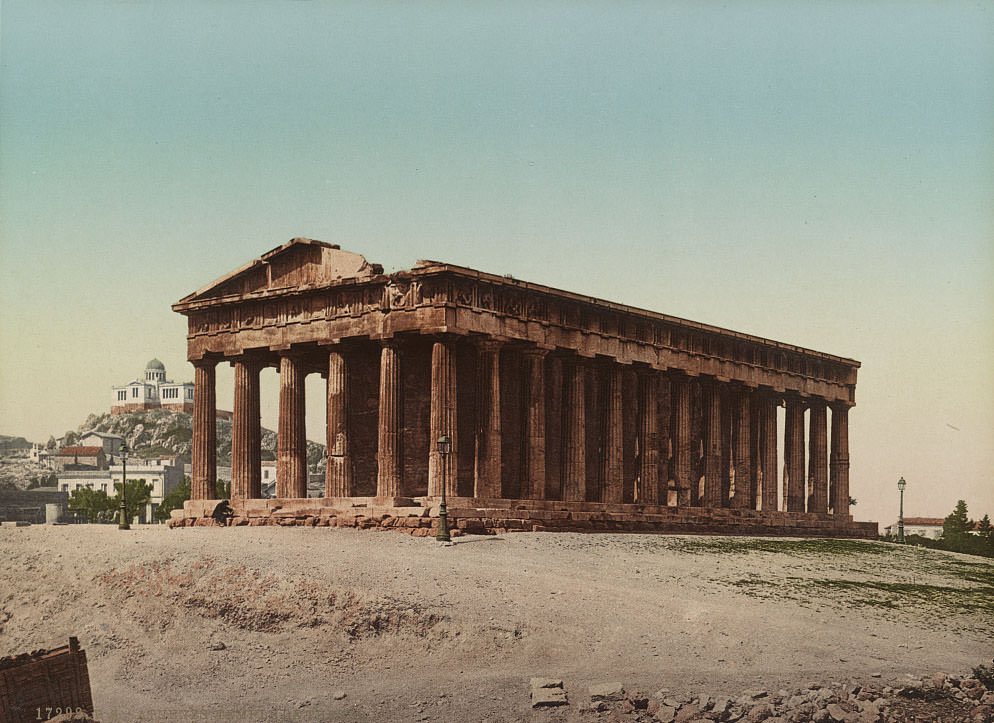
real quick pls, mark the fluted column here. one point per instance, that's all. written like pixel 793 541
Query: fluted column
pixel 741 497
pixel 203 483
pixel 793 450
pixel 487 465
pixel 681 431
pixel 389 475
pixel 840 460
pixel 338 471
pixel 575 434
pixel 818 462
pixel 533 482
pixel 291 439
pixel 769 498
pixel 613 461
pixel 442 420
pixel 246 434
pixel 555 415
pixel 712 445
pixel 647 491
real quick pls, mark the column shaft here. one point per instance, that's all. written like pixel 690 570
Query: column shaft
pixel 712 445
pixel 681 431
pixel 575 433
pixel 794 456
pixel 613 463
pixel 769 499
pixel 291 439
pixel 647 492
pixel 246 434
pixel 338 470
pixel 389 476
pixel 818 462
pixel 203 483
pixel 840 461
pixel 742 485
pixel 533 482
pixel 487 465
pixel 442 420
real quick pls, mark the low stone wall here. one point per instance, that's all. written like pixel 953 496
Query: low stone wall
pixel 489 517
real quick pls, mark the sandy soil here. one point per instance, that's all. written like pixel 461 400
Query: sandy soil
pixel 307 624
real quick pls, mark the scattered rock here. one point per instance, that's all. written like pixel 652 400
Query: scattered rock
pixel 542 697
pixel 607 691
pixel 665 714
pixel 338 695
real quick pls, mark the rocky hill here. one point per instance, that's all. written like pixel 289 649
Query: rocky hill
pixel 161 431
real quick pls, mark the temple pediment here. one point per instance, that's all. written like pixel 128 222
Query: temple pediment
pixel 300 262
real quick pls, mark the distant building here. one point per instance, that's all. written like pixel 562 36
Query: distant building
pixel 153 391
pixel 930 527
pixel 18 505
pixel 111 443
pixel 81 458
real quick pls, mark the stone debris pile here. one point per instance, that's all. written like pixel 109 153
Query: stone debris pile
pixel 938 697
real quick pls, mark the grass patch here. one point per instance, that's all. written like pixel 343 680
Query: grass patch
pixel 870 593
pixel 816 546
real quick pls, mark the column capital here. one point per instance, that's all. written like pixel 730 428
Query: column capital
pixel 488 344
pixel 535 352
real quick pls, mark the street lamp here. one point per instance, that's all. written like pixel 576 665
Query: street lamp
pixel 901 484
pixel 444 449
pixel 123 524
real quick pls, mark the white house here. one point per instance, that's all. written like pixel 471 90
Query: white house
pixel 930 527
pixel 163 473
pixel 111 443
pixel 152 391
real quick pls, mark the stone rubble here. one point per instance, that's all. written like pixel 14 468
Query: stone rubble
pixel 933 698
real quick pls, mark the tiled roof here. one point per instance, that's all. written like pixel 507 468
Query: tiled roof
pixel 923 521
pixel 81 451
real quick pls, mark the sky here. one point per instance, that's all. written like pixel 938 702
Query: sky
pixel 817 173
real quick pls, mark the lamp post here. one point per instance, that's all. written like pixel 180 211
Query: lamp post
pixel 123 523
pixel 901 484
pixel 444 448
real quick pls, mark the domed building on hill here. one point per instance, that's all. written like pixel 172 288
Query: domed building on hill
pixel 153 391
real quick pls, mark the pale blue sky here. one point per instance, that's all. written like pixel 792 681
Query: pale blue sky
pixel 817 173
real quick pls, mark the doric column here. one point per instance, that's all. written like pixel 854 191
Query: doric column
pixel 818 462
pixel 291 439
pixel 575 434
pixel 246 434
pixel 487 465
pixel 840 460
pixel 769 498
pixel 741 497
pixel 793 459
pixel 442 420
pixel 389 477
pixel 712 444
pixel 533 481
pixel 338 471
pixel 681 431
pixel 647 492
pixel 613 462
pixel 555 414
pixel 203 483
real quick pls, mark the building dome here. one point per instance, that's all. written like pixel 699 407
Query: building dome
pixel 156 364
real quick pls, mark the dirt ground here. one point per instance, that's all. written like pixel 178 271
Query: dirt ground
pixel 328 624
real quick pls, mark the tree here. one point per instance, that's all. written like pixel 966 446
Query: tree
pixel 51 442
pixel 91 503
pixel 223 489
pixel 137 495
pixel 70 439
pixel 986 531
pixel 174 500
pixel 956 525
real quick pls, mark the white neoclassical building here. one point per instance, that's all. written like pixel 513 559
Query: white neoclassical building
pixel 163 473
pixel 153 391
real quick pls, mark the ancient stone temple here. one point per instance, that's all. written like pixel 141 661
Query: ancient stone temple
pixel 564 411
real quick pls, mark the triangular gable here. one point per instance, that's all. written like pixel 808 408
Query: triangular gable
pixel 299 262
